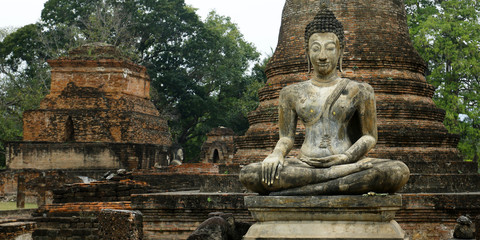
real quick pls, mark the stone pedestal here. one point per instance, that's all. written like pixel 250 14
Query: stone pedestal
pixel 324 217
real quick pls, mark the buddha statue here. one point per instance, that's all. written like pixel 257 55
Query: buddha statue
pixel 339 116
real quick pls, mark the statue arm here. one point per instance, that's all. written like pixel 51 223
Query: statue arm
pixel 287 118
pixel 368 122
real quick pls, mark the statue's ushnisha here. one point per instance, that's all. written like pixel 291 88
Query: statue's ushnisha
pixel 340 129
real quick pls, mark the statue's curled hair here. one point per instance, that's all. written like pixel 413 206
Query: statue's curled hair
pixel 325 21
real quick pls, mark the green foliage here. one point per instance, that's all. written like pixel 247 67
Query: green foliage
pixel 215 90
pixel 446 34
pixel 199 70
pixel 23 80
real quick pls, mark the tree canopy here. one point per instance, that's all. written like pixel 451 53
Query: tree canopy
pixel 200 70
pixel 447 36
pixel 23 80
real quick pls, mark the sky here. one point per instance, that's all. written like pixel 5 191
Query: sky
pixel 258 20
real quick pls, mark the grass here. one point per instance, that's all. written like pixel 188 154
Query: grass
pixel 4 206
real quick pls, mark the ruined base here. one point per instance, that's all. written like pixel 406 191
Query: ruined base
pixel 176 215
pixel 325 217
pixel 91 155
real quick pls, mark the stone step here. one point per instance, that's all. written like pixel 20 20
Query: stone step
pixel 433 215
pixel 52 233
pixel 226 181
pixel 222 183
pixel 176 215
pixel 16 229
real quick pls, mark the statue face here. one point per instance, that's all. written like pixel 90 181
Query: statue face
pixel 324 51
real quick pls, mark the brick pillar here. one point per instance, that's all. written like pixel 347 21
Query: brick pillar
pixel 21 191
pixel 42 193
pixel 120 224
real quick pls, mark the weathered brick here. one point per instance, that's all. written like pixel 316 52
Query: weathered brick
pixel 93 100
pixel 219 146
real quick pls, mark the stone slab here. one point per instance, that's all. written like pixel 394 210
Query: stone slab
pixel 324 208
pixel 325 217
pixel 340 201
pixel 325 230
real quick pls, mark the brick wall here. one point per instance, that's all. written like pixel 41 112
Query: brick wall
pixel 177 215
pixel 187 177
pixel 103 100
pixel 219 146
pixel 104 191
pixel 77 207
pixel 14 230
pixel 98 125
pixel 433 216
pixel 72 220
pixel 75 156
pixel 120 224
pixel 39 184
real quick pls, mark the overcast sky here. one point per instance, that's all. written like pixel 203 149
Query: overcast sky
pixel 258 20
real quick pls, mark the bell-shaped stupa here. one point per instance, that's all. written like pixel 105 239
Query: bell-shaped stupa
pixel 378 51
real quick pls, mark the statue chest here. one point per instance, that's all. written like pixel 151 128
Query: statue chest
pixel 314 108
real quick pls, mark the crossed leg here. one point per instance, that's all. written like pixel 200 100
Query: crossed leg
pixel 298 178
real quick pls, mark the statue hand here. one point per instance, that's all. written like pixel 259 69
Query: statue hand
pixel 271 167
pixel 364 165
pixel 329 161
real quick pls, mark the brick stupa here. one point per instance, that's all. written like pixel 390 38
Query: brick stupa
pixel 219 146
pixel 97 115
pixel 378 51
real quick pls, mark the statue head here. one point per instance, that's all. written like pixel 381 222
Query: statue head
pixel 326 24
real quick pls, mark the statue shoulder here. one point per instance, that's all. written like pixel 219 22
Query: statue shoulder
pixel 294 90
pixel 363 87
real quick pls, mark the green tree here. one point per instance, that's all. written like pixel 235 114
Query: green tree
pixel 199 70
pixel 242 98
pixel 447 36
pixel 212 89
pixel 23 80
